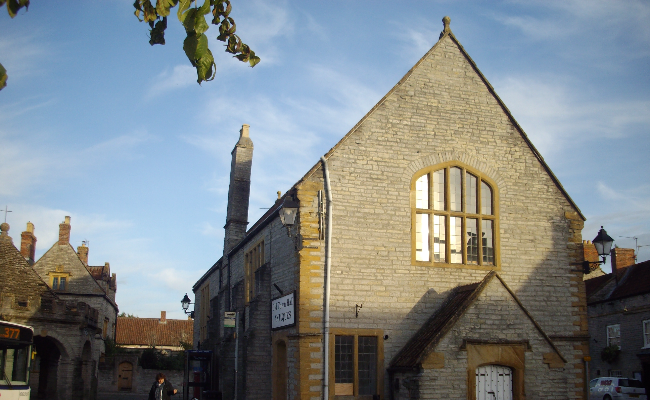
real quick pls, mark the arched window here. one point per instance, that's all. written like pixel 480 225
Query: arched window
pixel 454 215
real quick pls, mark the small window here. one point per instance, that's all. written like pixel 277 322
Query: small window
pixel 253 260
pixel 646 333
pixel 356 365
pixel 59 282
pixel 614 336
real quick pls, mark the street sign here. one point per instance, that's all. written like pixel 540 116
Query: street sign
pixel 283 311
pixel 229 319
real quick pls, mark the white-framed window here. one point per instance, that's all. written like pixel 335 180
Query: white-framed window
pixel 646 333
pixel 454 211
pixel 614 335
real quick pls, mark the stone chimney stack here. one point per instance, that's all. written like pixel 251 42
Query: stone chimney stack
pixel 163 317
pixel 82 252
pixel 239 190
pixel 64 231
pixel 28 244
pixel 622 258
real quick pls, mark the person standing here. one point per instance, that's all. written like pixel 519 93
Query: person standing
pixel 161 388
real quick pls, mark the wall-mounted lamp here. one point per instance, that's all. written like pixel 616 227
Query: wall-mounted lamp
pixel 185 303
pixel 603 243
pixel 288 212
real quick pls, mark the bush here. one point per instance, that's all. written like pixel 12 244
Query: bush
pixel 610 353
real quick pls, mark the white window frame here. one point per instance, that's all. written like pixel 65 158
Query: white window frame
pixel 614 337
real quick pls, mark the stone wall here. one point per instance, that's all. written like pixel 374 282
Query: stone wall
pixel 142 378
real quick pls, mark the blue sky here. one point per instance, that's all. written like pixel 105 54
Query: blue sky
pixel 98 125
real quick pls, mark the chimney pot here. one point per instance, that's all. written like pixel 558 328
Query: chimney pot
pixel 244 130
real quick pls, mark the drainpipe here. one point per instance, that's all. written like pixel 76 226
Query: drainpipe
pixel 328 264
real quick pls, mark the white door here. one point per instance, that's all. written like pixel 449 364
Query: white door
pixel 493 382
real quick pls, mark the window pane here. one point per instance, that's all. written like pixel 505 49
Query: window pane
pixel 343 359
pixel 455 189
pixel 646 332
pixel 470 193
pixel 367 365
pixel 456 240
pixel 472 240
pixel 439 239
pixel 486 199
pixel 55 283
pixel 422 237
pixel 422 192
pixel 439 190
pixel 62 283
pixel 487 241
pixel 614 335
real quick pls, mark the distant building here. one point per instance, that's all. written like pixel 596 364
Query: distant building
pixel 161 333
pixel 455 259
pixel 619 315
pixel 67 331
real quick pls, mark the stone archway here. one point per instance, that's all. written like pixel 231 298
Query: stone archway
pixel 46 365
pixel 87 369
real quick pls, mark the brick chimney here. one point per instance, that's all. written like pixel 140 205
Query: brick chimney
pixel 82 252
pixel 590 253
pixel 239 190
pixel 622 258
pixel 163 317
pixel 64 231
pixel 28 244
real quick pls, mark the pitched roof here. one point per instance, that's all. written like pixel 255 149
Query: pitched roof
pixel 438 324
pixel 444 34
pixel 14 265
pixel 153 332
pixel 459 300
pixel 632 281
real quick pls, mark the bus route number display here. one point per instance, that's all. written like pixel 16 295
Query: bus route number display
pixel 9 332
pixel 283 311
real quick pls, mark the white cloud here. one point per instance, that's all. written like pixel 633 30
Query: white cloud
pixel 180 77
pixel 555 116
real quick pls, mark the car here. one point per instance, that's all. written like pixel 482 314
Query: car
pixel 613 388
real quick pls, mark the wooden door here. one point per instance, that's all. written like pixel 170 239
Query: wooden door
pixel 493 382
pixel 124 376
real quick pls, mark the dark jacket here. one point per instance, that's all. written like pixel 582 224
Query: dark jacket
pixel 167 391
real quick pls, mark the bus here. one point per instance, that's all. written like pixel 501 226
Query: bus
pixel 15 356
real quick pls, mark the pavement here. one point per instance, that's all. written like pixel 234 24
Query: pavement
pixel 122 396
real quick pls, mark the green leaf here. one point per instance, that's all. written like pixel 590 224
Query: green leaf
pixel 205 8
pixel 205 67
pixel 200 26
pixel 253 59
pixel 189 21
pixel 183 5
pixel 3 77
pixel 195 46
pixel 163 7
pixel 157 33
pixel 14 5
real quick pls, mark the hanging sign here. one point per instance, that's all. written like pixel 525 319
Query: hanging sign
pixel 283 311
pixel 229 319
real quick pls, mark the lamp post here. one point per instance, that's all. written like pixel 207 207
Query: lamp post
pixel 185 303
pixel 603 243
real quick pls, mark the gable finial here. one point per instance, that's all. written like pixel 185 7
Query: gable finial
pixel 446 21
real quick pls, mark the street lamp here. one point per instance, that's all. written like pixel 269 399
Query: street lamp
pixel 288 211
pixel 603 243
pixel 185 303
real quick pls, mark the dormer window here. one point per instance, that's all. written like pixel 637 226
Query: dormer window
pixel 455 218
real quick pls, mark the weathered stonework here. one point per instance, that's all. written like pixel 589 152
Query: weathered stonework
pixel 442 111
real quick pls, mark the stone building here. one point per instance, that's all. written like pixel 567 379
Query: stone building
pixel 65 330
pixel 619 315
pixel 413 304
